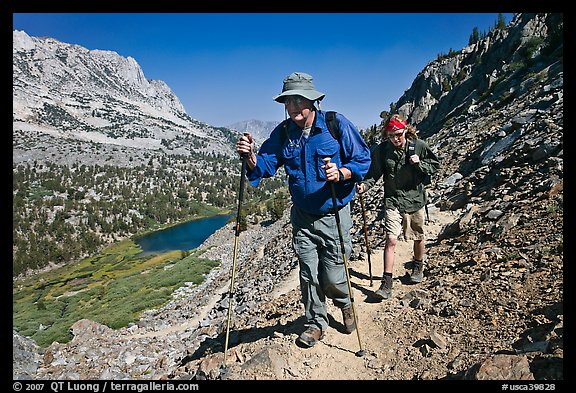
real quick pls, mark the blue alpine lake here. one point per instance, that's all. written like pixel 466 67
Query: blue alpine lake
pixel 186 236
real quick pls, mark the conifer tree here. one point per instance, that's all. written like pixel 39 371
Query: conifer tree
pixel 474 37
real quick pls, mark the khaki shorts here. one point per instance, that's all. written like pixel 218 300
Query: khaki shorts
pixel 412 224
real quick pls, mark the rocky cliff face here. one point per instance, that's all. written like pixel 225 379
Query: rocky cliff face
pixel 484 74
pixel 67 91
pixel 491 303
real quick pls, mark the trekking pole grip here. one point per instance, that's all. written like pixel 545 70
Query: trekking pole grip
pixel 326 162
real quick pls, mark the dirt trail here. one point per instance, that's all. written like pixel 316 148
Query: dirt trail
pixel 378 321
pixel 382 333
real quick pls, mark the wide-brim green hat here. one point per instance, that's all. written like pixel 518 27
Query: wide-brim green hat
pixel 299 84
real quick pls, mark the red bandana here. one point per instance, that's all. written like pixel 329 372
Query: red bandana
pixel 394 125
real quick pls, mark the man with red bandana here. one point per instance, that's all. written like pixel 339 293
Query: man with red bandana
pixel 404 194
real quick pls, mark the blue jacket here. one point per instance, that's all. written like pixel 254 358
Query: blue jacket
pixel 303 157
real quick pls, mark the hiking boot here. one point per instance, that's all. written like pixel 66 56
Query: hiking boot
pixel 385 290
pixel 417 272
pixel 311 336
pixel 348 318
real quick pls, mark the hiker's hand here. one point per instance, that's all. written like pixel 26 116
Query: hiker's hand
pixel 414 159
pixel 360 188
pixel 245 145
pixel 331 170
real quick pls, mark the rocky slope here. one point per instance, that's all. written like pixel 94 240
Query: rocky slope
pixel 490 306
pixel 259 129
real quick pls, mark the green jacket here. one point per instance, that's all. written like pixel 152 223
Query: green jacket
pixel 403 182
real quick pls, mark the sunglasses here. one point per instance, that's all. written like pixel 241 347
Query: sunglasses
pixel 294 100
pixel 395 135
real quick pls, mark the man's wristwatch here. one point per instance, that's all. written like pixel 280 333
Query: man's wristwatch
pixel 341 176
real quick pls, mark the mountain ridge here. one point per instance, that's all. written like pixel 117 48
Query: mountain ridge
pixel 99 96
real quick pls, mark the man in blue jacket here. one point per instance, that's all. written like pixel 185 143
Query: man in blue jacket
pixel 301 143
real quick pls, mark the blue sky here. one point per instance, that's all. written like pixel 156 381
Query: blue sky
pixel 226 67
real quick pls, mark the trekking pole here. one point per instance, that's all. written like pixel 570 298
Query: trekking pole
pixel 366 237
pixel 235 254
pixel 343 249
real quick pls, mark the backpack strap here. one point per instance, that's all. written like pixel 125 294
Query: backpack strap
pixel 334 128
pixel 284 132
pixel 333 125
pixel 410 149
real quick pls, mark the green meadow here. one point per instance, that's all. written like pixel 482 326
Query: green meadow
pixel 113 288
